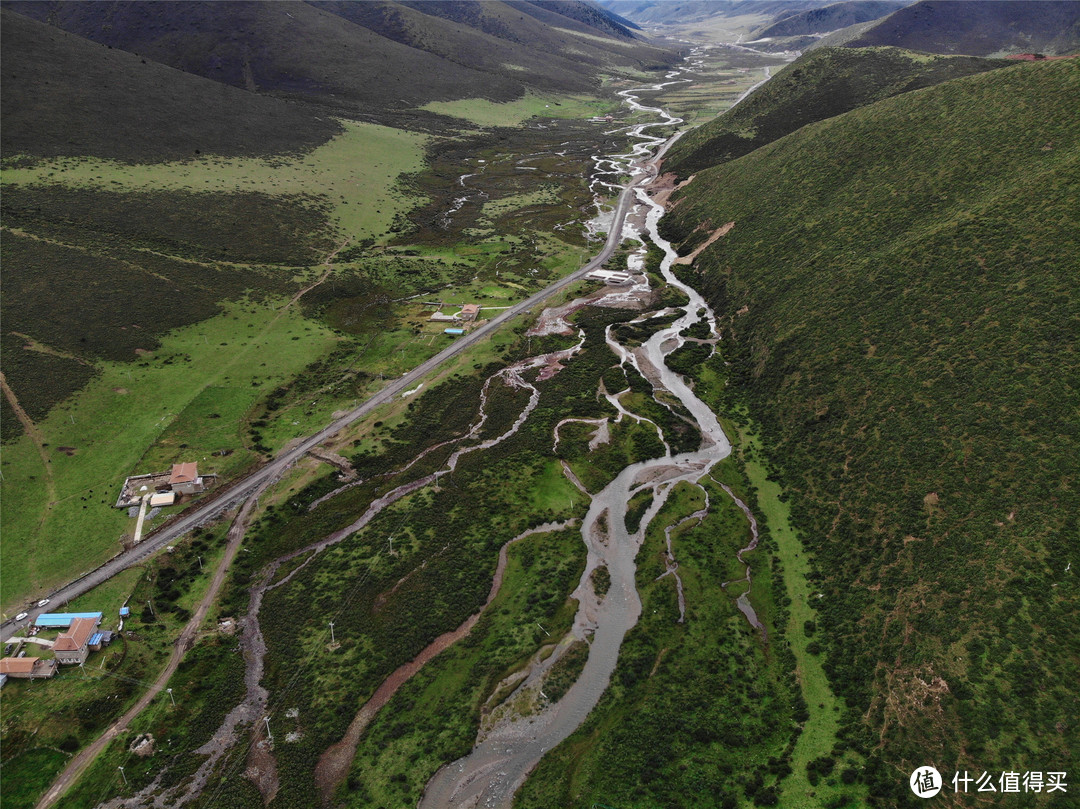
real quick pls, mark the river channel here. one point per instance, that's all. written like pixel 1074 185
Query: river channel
pixel 498 765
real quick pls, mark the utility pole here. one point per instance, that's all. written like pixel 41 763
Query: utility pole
pixel 151 606
pixel 332 632
pixel 122 775
pixel 200 563
pixel 269 735
pixel 171 697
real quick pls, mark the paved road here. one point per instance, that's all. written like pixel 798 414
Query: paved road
pixel 243 488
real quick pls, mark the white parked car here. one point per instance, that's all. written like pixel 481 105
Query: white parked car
pixel 43 602
pixel 21 615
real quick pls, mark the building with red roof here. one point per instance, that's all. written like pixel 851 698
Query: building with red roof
pixel 185 478
pixel 73 646
pixel 27 668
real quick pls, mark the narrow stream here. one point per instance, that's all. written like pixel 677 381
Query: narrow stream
pixel 743 601
pixel 498 765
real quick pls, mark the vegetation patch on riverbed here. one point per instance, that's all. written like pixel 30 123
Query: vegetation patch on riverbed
pixel 724 704
pixel 434 717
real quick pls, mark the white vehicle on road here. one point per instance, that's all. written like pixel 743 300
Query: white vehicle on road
pixel 21 615
pixel 43 602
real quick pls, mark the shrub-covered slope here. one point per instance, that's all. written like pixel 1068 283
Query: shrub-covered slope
pixel 64 95
pixel 980 28
pixel 901 306
pixel 821 84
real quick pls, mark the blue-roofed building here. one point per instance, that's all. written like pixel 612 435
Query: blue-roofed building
pixel 125 612
pixel 62 620
pixel 453 332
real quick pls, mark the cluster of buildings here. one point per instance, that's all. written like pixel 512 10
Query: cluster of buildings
pixel 469 313
pixel 79 637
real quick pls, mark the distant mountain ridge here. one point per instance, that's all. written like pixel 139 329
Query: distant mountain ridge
pixel 829 18
pixel 377 55
pixel 660 12
pixel 970 27
pixel 980 28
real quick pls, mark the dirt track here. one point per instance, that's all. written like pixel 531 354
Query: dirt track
pixel 334 764
pixel 85 756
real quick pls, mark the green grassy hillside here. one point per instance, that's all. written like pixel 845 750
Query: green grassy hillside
pixel 821 84
pixel 900 301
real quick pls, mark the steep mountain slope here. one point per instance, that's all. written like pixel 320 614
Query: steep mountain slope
pixel 287 48
pixel 819 85
pixel 900 301
pixel 980 28
pixel 360 56
pixel 829 18
pixel 472 47
pixel 593 16
pixel 64 95
pixel 665 12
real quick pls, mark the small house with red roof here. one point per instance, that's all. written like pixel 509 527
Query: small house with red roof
pixel 185 478
pixel 73 646
pixel 27 668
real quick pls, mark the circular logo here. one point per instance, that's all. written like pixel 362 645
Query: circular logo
pixel 925 782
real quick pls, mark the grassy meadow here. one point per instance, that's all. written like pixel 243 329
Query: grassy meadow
pixel 485 113
pixel 226 370
pixel 356 172
pixel 818 740
pixel 184 401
